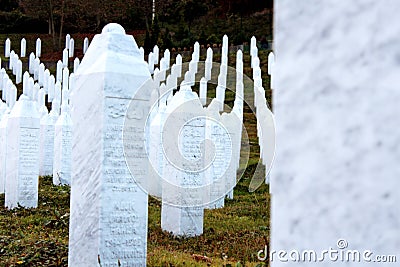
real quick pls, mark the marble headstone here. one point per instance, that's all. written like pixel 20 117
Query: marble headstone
pixel 182 208
pixel 7 48
pixel 23 47
pixel 38 47
pixel 22 164
pixel 108 208
pixel 85 45
pixel 63 144
pixel 47 125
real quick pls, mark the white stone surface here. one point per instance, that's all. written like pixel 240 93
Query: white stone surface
pixel 22 166
pixel 336 172
pixel 108 209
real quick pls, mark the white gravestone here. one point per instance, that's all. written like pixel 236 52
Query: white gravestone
pixel 59 71
pixel 150 62
pixel 108 209
pixel 22 165
pixel 36 68
pixel 76 64
pixel 156 155
pixel 196 52
pixel 222 149
pixel 3 137
pixel 85 45
pixel 71 47
pixel 18 74
pixel 167 56
pixel 271 62
pixel 63 144
pixel 221 88
pixel 47 125
pixel 182 208
pixel 156 54
pixel 41 74
pixel 11 62
pixel 335 181
pixel 67 41
pixel 208 64
pixel 31 63
pixel 65 58
pixel 41 104
pixel 65 79
pixel 23 47
pixel 232 124
pixel 15 63
pixel 179 64
pixel 203 91
pixel 38 47
pixel 50 88
pixel 25 79
pixel 7 48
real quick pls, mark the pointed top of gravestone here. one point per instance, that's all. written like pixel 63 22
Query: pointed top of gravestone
pixel 113 28
pixel 24 107
pixel 113 51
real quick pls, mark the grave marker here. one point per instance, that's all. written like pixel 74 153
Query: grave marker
pixel 109 220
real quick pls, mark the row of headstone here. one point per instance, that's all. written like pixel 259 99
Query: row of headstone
pixel 108 206
pixel 69 48
pixel 265 118
pixel 34 141
pixel 221 175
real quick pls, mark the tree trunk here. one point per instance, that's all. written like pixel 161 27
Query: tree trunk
pixel 60 38
pixel 51 24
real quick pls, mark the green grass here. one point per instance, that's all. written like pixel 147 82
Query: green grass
pixel 232 235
